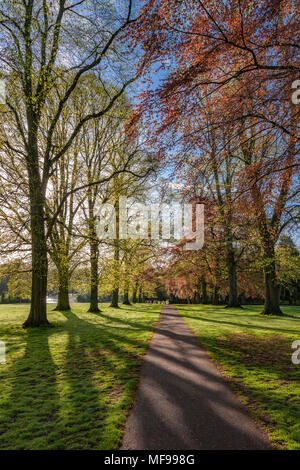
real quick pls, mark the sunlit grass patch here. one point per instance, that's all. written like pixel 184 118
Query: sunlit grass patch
pixel 70 386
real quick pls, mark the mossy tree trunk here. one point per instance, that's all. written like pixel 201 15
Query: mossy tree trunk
pixel 268 219
pixel 225 207
pixel 116 268
pixel 115 291
pixel 126 300
pixel 94 277
pixel 63 302
pixel 215 296
pixel 134 293
pixel 140 294
pixel 38 315
pixel 197 293
pixel 272 291
pixel 232 279
pixel 204 297
pixel 38 309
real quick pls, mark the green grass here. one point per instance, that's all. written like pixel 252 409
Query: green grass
pixel 254 353
pixel 70 386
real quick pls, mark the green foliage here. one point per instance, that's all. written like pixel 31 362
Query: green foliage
pixel 80 281
pixel 19 286
pixel 19 283
pixel 288 261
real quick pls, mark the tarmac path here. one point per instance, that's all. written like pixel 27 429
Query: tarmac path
pixel 182 401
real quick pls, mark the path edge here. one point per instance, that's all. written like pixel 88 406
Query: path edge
pixel 139 368
pixel 234 389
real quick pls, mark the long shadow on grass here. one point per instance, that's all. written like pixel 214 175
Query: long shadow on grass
pixel 70 404
pixel 98 364
pixel 182 402
pixel 134 324
pixel 261 370
pixel 239 324
pixel 83 406
pixel 30 413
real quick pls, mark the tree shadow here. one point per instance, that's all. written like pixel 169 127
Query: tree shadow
pixel 134 324
pixel 97 368
pixel 74 395
pixel 182 401
pixel 239 324
pixel 30 413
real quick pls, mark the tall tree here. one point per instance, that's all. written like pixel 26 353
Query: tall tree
pixel 239 60
pixel 273 200
pixel 63 245
pixel 41 41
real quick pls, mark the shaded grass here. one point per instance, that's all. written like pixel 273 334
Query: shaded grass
pixel 254 353
pixel 71 386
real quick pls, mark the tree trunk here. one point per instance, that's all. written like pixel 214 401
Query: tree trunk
pixel 268 236
pixel 215 299
pixel 63 284
pixel 115 298
pixel 126 298
pixel 134 294
pixel 126 291
pixel 197 297
pixel 231 269
pixel 63 298
pixel 272 301
pixel 141 294
pixel 94 277
pixel 204 291
pixel 38 309
pixel 115 292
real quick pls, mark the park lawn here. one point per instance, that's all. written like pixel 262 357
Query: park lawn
pixel 254 353
pixel 71 386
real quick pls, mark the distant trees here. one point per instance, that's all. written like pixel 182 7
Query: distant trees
pixel 131 184
pixel 62 245
pixel 288 262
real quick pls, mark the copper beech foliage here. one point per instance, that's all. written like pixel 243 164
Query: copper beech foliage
pixel 221 102
pixel 227 65
pixel 210 47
